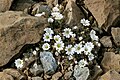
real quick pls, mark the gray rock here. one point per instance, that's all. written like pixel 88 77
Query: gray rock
pixel 36 70
pixel 48 62
pixel 106 41
pixel 81 73
pixel 37 78
pixel 116 35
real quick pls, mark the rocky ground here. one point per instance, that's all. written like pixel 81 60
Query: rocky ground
pixel 59 40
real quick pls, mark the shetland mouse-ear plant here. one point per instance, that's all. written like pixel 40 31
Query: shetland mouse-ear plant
pixel 78 44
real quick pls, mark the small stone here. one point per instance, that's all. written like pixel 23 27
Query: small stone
pixel 47 77
pixel 106 41
pixel 111 61
pixel 48 62
pixel 13 72
pixel 116 35
pixel 37 78
pixel 68 75
pixel 36 70
pixel 4 76
pixel 110 75
pixel 56 76
pixel 81 73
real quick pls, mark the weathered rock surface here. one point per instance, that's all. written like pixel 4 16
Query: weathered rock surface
pixel 106 41
pixel 52 3
pixel 56 76
pixel 97 71
pixel 4 76
pixel 106 12
pixel 110 75
pixel 16 30
pixel 116 35
pixel 13 72
pixel 81 73
pixel 37 78
pixel 73 14
pixel 68 75
pixel 20 5
pixel 5 5
pixel 111 61
pixel 48 62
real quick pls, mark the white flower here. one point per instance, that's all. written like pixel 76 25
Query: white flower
pixel 49 30
pixel 88 48
pixel 50 20
pixel 85 22
pixel 47 37
pixel 75 27
pixel 80 38
pixel 55 9
pixel 19 63
pixel 90 44
pixel 75 62
pixel 70 50
pixel 46 46
pixel 59 46
pixel 54 14
pixel 57 38
pixel 34 52
pixel 56 53
pixel 93 35
pixel 91 57
pixel 57 15
pixel 82 63
pixel 67 32
pixel 37 48
pixel 40 14
pixel 73 35
pixel 98 44
pixel 78 48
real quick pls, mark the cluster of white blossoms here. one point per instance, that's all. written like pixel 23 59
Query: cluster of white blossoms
pixel 55 14
pixel 47 38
